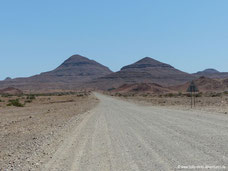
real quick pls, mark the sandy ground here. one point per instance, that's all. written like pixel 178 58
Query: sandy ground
pixel 30 135
pixel 118 135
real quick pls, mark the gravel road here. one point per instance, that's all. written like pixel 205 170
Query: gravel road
pixel 118 135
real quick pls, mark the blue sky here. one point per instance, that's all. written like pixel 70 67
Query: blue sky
pixel 37 36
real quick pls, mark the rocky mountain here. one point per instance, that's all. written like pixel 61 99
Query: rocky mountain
pixel 146 70
pixel 79 72
pixel 11 91
pixel 79 67
pixel 204 84
pixel 8 78
pixel 211 73
pixel 71 74
pixel 141 88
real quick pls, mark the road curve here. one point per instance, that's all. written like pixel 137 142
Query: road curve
pixel 119 135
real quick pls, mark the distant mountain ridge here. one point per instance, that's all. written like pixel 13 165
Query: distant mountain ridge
pixel 11 91
pixel 146 70
pixel 79 72
pixel 211 73
pixel 146 62
pixel 141 88
pixel 79 66
pixel 205 84
pixel 71 74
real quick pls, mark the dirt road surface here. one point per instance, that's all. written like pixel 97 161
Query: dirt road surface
pixel 118 135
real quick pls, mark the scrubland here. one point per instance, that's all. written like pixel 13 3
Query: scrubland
pixel 207 101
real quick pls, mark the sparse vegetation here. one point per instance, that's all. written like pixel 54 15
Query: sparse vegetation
pixel 28 101
pixel 7 95
pixel 179 93
pixel 31 97
pixel 80 95
pixel 173 95
pixel 59 94
pixel 111 89
pixel 15 102
pixel 188 95
pixel 199 94
pixel 215 94
pixel 170 95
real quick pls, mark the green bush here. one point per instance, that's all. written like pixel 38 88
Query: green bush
pixel 31 97
pixel 7 95
pixel 188 95
pixel 199 95
pixel 111 89
pixel 216 94
pixel 15 102
pixel 170 95
pixel 80 95
pixel 179 93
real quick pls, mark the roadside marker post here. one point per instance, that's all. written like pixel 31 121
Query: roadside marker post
pixel 192 89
